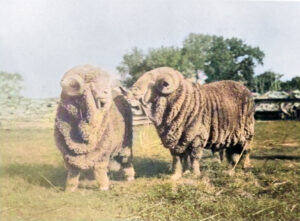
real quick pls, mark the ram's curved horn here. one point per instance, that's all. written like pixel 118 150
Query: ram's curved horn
pixel 72 85
pixel 168 82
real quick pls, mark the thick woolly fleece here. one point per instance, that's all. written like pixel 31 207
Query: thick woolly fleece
pixel 87 136
pixel 216 115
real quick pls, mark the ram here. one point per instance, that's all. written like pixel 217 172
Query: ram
pixel 190 117
pixel 93 126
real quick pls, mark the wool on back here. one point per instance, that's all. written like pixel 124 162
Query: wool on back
pixel 214 115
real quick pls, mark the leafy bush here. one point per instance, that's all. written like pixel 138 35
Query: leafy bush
pixel 10 85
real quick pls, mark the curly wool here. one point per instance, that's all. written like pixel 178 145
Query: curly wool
pixel 86 137
pixel 83 152
pixel 215 115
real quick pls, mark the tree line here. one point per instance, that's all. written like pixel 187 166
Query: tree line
pixel 217 57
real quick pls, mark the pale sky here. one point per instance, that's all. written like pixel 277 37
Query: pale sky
pixel 42 39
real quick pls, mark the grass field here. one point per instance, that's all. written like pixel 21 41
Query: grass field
pixel 32 179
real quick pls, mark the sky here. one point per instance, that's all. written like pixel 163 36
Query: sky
pixel 42 39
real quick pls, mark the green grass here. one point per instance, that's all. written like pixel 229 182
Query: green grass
pixel 32 178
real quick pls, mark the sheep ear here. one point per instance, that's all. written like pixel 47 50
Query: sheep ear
pixel 124 91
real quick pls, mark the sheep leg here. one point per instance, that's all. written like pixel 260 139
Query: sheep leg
pixel 126 163
pixel 232 156
pixel 247 163
pixel 196 155
pixel 235 158
pixel 246 156
pixel 177 167
pixel 186 163
pixel 221 155
pixel 243 154
pixel 72 179
pixel 236 155
pixel 196 167
pixel 101 175
pixel 128 171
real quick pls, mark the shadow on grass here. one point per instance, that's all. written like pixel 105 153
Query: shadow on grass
pixel 149 167
pixel 47 175
pixel 38 174
pixel 274 157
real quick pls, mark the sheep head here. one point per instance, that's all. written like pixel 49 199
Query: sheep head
pixel 102 94
pixel 157 82
pixel 88 82
pixel 87 96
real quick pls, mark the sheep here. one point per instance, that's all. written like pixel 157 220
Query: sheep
pixel 93 126
pixel 190 117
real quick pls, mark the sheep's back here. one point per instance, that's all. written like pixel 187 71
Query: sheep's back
pixel 230 109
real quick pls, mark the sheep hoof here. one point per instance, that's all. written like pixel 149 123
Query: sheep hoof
pixel 247 166
pixel 130 179
pixel 103 188
pixel 196 171
pixel 219 161
pixel 196 175
pixel 175 176
pixel 129 173
pixel 70 189
pixel 187 172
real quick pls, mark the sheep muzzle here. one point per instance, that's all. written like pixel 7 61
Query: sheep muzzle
pixel 102 97
pixel 102 104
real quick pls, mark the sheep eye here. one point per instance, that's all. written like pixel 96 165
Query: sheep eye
pixel 165 84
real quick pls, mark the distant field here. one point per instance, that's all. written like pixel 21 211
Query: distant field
pixel 32 178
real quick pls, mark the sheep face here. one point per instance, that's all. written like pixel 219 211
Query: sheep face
pixel 86 81
pixel 153 84
pixel 102 95
pixel 160 82
pixel 138 91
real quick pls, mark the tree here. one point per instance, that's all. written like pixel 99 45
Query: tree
pixel 268 81
pixel 171 57
pixel 132 66
pixel 293 84
pixel 10 85
pixel 196 48
pixel 219 58
pixel 232 59
pixel 135 63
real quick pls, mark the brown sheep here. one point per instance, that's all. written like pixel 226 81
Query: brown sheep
pixel 92 126
pixel 189 117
